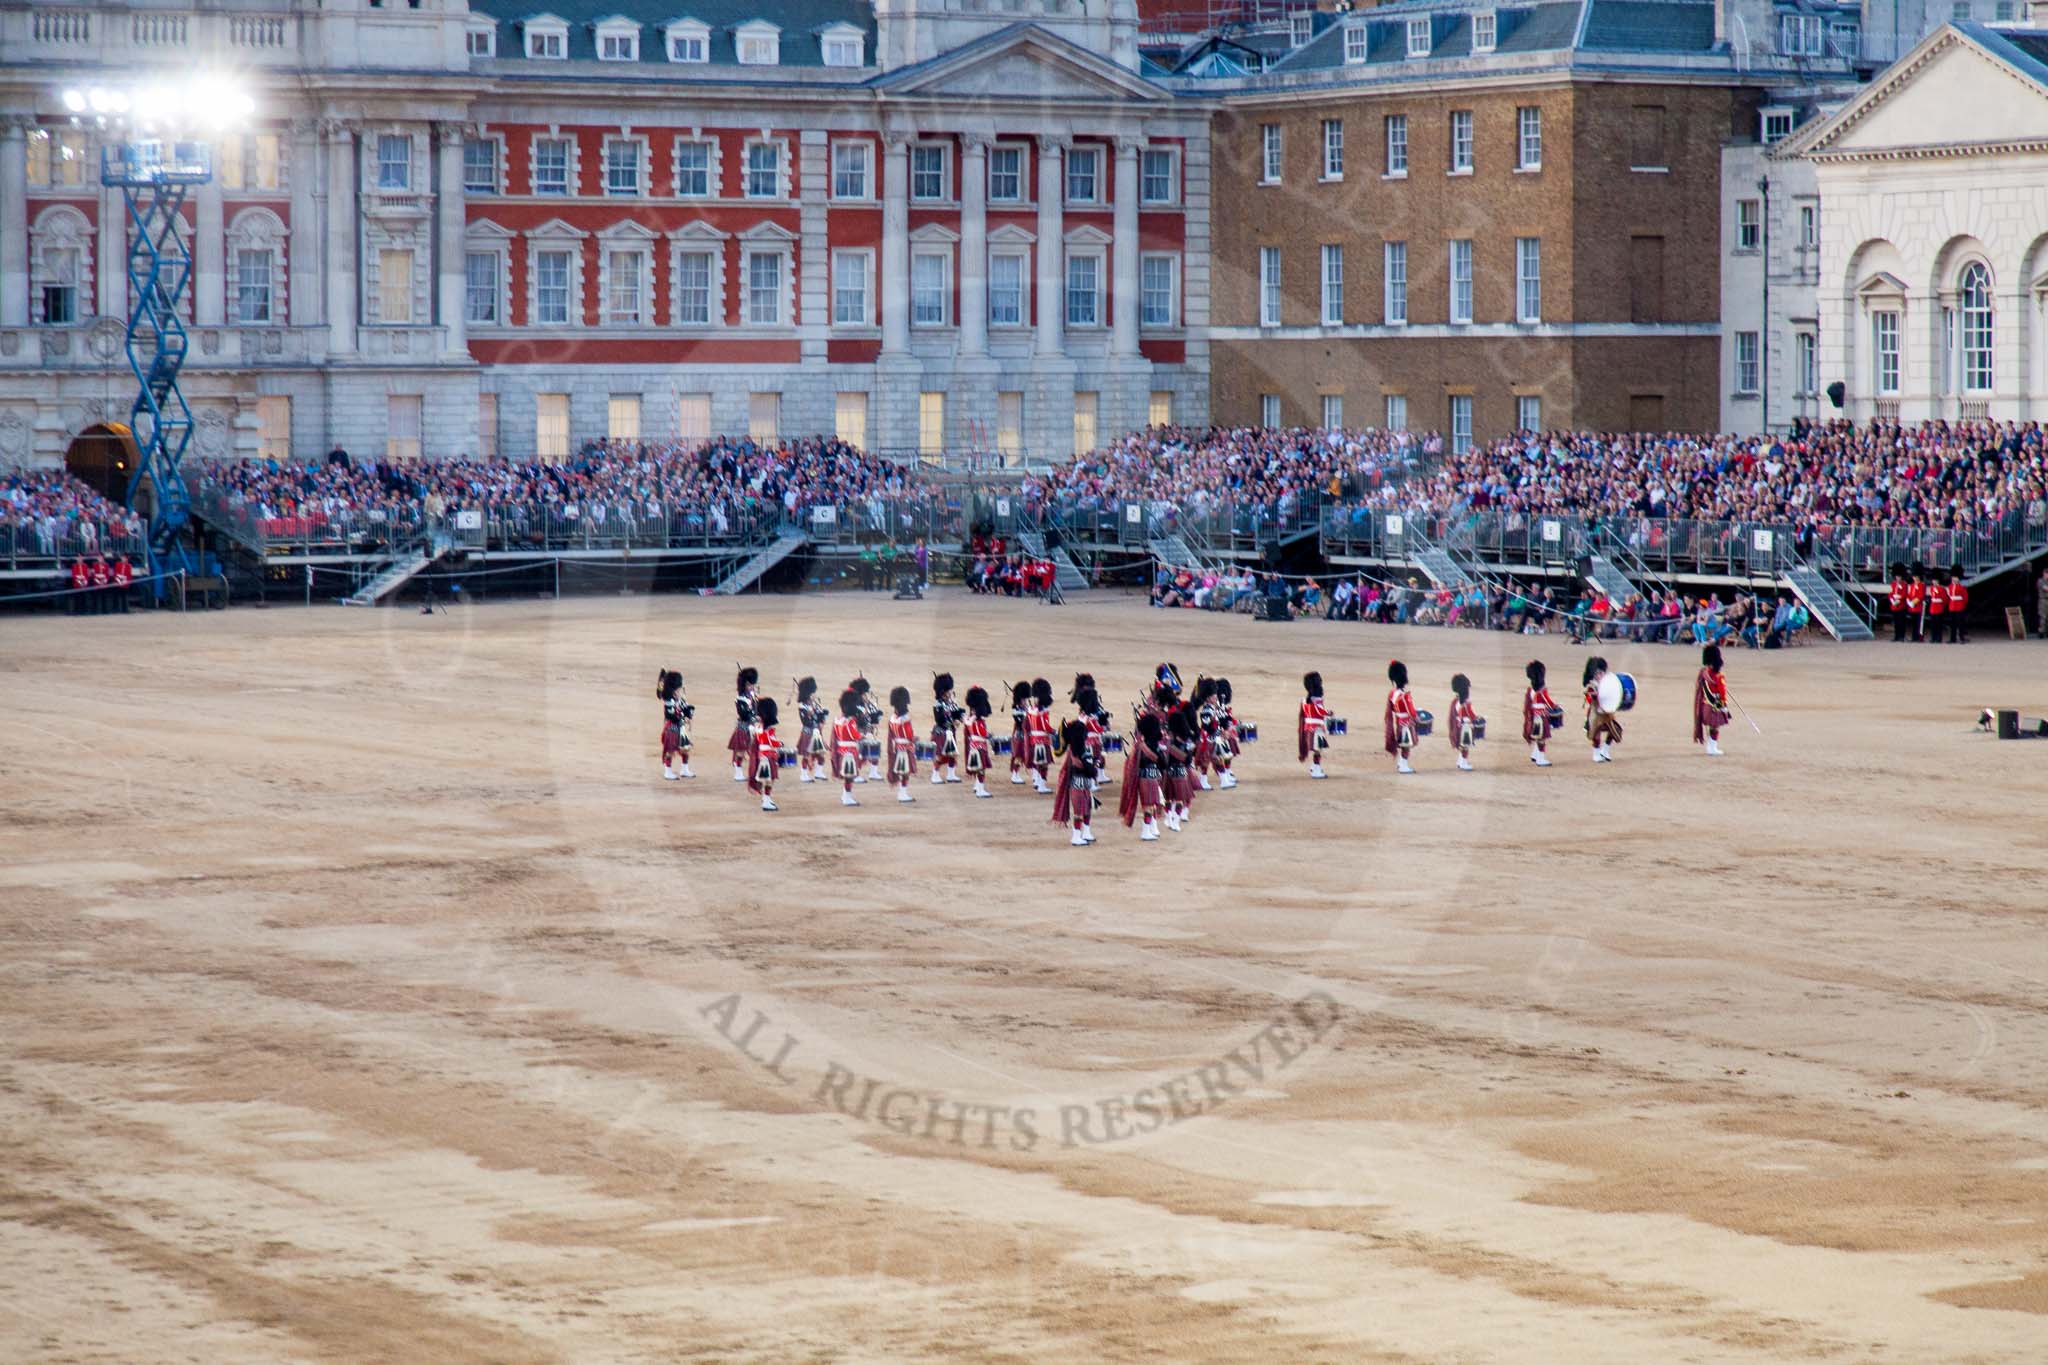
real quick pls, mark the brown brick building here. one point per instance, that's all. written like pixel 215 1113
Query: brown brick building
pixel 1472 241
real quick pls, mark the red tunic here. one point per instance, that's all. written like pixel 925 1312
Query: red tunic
pixel 1915 595
pixel 1937 600
pixel 1898 598
pixel 1709 704
pixel 846 746
pixel 977 751
pixel 767 753
pixel 1400 713
pixel 1038 737
pixel 902 747
pixel 1958 599
pixel 1315 716
pixel 1536 708
pixel 1073 801
pixel 1462 715
pixel 1140 793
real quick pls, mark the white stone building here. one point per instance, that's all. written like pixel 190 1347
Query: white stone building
pixel 509 226
pixel 1933 278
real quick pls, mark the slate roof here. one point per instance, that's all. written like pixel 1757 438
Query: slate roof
pixel 800 21
pixel 2025 48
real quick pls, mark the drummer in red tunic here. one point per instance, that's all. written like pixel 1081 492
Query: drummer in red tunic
pixel 974 740
pixel 1709 701
pixel 1144 765
pixel 1074 792
pixel 767 752
pixel 846 735
pixel 1038 735
pixel 1020 741
pixel 1603 728
pixel 1537 710
pixel 1465 721
pixel 1312 735
pixel 1402 718
pixel 902 744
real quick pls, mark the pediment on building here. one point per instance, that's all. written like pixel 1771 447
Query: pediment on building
pixel 1022 63
pixel 1960 92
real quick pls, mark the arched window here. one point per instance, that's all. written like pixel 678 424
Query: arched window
pixel 1974 298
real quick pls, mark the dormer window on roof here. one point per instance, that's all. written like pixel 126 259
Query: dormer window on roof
pixel 842 45
pixel 1356 40
pixel 689 40
pixel 758 43
pixel 1300 27
pixel 1774 124
pixel 618 39
pixel 481 40
pixel 1418 38
pixel 1485 25
pixel 547 37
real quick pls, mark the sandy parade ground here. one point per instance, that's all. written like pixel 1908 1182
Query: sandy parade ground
pixel 367 996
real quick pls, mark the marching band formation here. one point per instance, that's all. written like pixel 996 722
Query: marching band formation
pixel 1176 743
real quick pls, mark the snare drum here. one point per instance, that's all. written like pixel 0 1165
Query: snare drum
pixel 1339 725
pixel 1247 732
pixel 1479 727
pixel 1001 746
pixel 1425 723
pixel 1112 744
pixel 1554 718
pixel 925 751
pixel 1628 691
pixel 786 759
pixel 871 750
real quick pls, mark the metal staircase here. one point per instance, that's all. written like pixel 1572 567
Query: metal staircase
pixel 1436 563
pixel 750 570
pixel 1615 585
pixel 1828 606
pixel 1174 550
pixel 1065 571
pixel 390 579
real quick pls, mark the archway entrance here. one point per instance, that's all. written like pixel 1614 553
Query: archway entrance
pixel 104 456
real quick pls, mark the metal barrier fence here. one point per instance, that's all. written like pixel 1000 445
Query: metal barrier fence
pixel 610 524
pixel 29 548
pixel 375 531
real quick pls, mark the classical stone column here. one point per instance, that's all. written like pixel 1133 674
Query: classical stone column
pixel 303 250
pixel 209 256
pixel 973 244
pixel 894 285
pixel 449 222
pixel 1123 252
pixel 1052 194
pixel 14 221
pixel 341 238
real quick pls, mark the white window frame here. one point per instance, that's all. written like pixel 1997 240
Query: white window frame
pixel 1396 126
pixel 1485 30
pixel 1528 412
pixel 485 238
pixel 1460 254
pixel 697 240
pixel 394 174
pixel 1529 137
pixel 1151 265
pixel 1010 245
pixel 1272 153
pixel 1461 422
pixel 1078 158
pixel 1805 363
pixel 1749 224
pixel 1333 412
pixel 711 160
pixel 1800 35
pixel 571 293
pixel 1774 124
pixel 848 263
pixel 1396 405
pixel 1977 334
pixel 1461 142
pixel 1394 284
pixel 938 166
pixel 842 45
pixel 618 40
pixel 688 42
pixel 757 43
pixel 853 169
pixel 634 243
pixel 474 151
pixel 1167 158
pixel 1097 260
pixel 1748 364
pixel 243 291
pixel 755 244
pixel 750 172
pixel 1886 368
pixel 1333 149
pixel 1809 225
pixel 1418 39
pixel 472 315
pixel 1301 26
pixel 569 168
pixel 481 41
pixel 1269 411
pixel 1333 284
pixel 547 38
pixel 1357 44
pixel 1269 286
pixel 637 147
pixel 1021 172
pixel 929 309
pixel 1528 279
pixel 257 229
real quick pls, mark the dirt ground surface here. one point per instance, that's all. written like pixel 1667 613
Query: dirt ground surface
pixel 368 997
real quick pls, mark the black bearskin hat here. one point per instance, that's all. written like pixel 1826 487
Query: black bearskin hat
pixel 1711 657
pixel 977 701
pixel 1461 687
pixel 1083 682
pixel 668 684
pixel 1041 692
pixel 748 677
pixel 1088 700
pixel 1020 693
pixel 1595 666
pixel 806 688
pixel 1163 697
pixel 1312 683
pixel 859 686
pixel 1223 690
pixel 1181 722
pixel 1205 688
pixel 1397 673
pixel 849 703
pixel 899 698
pixel 764 710
pixel 1074 734
pixel 1149 727
pixel 942 683
pixel 1534 672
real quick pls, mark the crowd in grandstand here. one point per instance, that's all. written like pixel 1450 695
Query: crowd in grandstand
pixel 49 514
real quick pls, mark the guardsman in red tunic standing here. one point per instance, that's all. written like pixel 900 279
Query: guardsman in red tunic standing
pixel 124 579
pixel 974 741
pixel 846 745
pixel 1897 601
pixel 1038 735
pixel 902 744
pixel 1402 718
pixel 767 752
pixel 1709 701
pixel 1916 602
pixel 1312 735
pixel 1958 605
pixel 1937 608
pixel 1538 712
pixel 1465 721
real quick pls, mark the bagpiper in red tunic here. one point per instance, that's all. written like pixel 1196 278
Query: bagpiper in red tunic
pixel 1074 793
pixel 1143 765
pixel 1709 700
